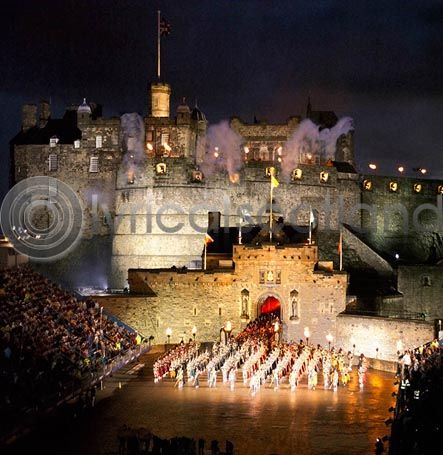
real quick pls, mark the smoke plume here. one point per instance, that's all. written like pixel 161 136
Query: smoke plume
pixel 133 139
pixel 222 150
pixel 308 138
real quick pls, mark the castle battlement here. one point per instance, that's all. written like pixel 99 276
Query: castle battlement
pixel 307 254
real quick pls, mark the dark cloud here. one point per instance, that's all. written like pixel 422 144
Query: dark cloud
pixel 378 61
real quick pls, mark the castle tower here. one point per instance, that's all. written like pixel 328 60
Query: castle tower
pixel 160 94
pixel 183 113
pixel 29 116
pixel 45 113
pixel 201 124
pixel 84 112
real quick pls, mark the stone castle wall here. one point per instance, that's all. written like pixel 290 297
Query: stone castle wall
pixel 138 204
pixel 422 289
pixel 358 334
pixel 391 229
pixel 96 190
pixel 207 300
pixel 387 335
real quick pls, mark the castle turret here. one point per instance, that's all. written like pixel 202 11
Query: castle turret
pixel 201 124
pixel 29 116
pixel 45 113
pixel 183 114
pixel 84 112
pixel 160 94
pixel 345 148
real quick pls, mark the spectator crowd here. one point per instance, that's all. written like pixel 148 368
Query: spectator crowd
pixel 51 341
pixel 140 441
pixel 418 416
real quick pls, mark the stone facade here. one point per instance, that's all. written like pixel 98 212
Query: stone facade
pixel 403 216
pixel 156 215
pixel 381 338
pixel 83 150
pixel 141 241
pixel 182 299
pixel 422 290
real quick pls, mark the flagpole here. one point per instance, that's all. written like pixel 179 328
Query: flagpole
pixel 158 44
pixel 204 258
pixel 239 231
pixel 272 187
pixel 270 211
pixel 341 249
pixel 310 226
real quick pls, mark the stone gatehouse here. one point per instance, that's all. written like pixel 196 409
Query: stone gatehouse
pixel 286 279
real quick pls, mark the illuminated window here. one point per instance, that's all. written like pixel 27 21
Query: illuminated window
pixel 98 142
pixel 417 187
pixel 77 144
pixel 264 153
pixel 324 176
pixel 393 187
pixel 53 141
pixel 53 162
pixel 164 139
pixel 367 185
pixel 150 135
pixel 440 189
pixel 297 174
pixel 160 168
pixel 197 176
pixel 93 164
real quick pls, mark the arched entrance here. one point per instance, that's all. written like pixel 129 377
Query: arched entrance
pixel 270 305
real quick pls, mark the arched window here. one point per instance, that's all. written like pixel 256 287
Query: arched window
pixel 294 305
pixel 98 142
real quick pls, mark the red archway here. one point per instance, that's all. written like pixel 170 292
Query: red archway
pixel 270 305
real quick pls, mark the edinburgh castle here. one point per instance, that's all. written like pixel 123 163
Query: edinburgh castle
pixel 151 187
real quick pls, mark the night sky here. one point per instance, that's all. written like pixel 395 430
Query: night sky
pixel 379 62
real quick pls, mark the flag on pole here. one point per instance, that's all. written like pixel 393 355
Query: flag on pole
pixel 311 224
pixel 208 239
pixel 274 181
pixel 165 27
pixel 311 217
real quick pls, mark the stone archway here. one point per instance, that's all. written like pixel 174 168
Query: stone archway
pixel 269 303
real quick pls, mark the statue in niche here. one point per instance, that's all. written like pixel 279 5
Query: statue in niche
pixel 270 276
pixel 244 304
pixel 294 305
